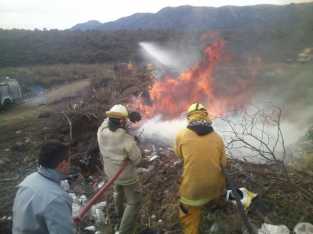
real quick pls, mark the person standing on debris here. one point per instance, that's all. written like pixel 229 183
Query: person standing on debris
pixel 41 205
pixel 117 145
pixel 203 154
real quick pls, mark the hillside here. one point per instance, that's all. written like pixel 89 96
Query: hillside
pixel 25 47
pixel 275 33
pixel 189 18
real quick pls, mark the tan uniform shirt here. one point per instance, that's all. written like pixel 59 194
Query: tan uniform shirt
pixel 115 147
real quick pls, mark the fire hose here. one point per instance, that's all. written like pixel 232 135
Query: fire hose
pixel 240 207
pixel 98 194
pixel 105 187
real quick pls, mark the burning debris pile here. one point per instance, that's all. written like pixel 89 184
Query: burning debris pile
pixel 170 96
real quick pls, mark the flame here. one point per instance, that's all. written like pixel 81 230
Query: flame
pixel 171 96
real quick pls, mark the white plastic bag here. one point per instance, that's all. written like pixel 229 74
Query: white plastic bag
pixel 303 228
pixel 273 229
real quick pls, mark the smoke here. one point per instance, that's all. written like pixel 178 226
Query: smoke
pixel 253 125
pixel 284 86
pixel 168 59
pixel 37 96
pixel 289 87
pixel 164 132
pixel 161 56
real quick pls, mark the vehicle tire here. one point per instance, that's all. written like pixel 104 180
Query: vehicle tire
pixel 6 104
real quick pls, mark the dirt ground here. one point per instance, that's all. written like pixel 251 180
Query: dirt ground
pixel 24 128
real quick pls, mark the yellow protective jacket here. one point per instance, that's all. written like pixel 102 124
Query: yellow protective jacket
pixel 203 156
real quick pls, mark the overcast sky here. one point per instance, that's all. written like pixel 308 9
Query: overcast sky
pixel 63 14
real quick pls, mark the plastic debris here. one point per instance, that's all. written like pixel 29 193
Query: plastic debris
pixel 65 185
pixel 273 229
pixel 90 228
pixel 75 205
pixel 153 157
pixel 246 196
pixel 98 213
pixel 5 218
pixel 100 184
pixel 82 199
pixel 303 228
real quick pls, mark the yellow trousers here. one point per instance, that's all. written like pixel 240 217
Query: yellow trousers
pixel 190 217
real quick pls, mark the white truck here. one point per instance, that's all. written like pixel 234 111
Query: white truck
pixel 10 91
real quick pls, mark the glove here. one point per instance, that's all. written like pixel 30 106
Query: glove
pixel 134 116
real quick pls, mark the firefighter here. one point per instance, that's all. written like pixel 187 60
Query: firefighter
pixel 203 154
pixel 117 145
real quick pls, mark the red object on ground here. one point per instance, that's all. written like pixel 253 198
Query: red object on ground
pixel 98 194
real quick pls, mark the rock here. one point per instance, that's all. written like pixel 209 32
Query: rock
pixel 27 140
pixel 273 229
pixel 303 228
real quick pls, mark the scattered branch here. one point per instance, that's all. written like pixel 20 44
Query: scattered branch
pixel 257 132
pixel 70 125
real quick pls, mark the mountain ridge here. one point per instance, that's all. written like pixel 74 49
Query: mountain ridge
pixel 189 18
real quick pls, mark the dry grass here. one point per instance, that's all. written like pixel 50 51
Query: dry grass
pixel 52 75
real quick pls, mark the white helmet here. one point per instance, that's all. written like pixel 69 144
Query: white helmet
pixel 117 111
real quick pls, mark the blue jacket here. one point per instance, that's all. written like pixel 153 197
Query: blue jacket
pixel 41 206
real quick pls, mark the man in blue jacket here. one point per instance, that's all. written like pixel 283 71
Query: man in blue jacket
pixel 41 205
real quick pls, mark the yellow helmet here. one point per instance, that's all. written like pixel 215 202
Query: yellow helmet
pixel 117 111
pixel 197 112
pixel 195 107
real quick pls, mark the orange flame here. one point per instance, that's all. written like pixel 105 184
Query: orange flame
pixel 171 96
